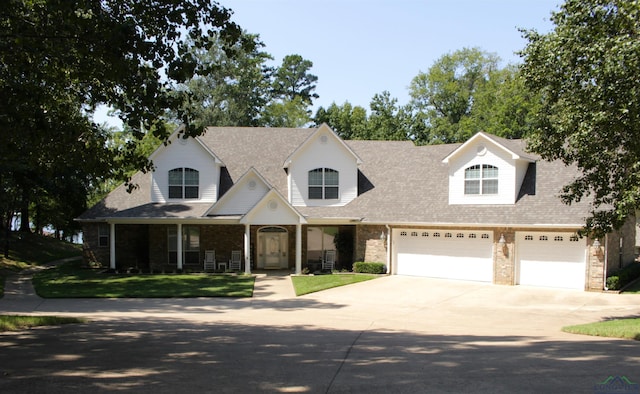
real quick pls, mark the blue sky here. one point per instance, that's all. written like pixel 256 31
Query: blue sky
pixel 363 47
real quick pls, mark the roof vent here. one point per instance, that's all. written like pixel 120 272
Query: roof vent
pixel 324 139
pixel 481 150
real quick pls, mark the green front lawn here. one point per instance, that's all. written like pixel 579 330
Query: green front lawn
pixel 619 328
pixel 69 281
pixel 15 323
pixel 312 283
pixel 634 288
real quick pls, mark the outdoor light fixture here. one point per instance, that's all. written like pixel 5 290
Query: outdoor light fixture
pixel 596 247
pixel 503 243
pixel 383 236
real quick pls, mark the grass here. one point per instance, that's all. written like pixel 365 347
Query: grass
pixel 16 323
pixel 26 250
pixel 618 328
pixel 71 281
pixel 310 284
pixel 634 288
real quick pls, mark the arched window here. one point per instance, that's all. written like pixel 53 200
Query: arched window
pixel 481 179
pixel 323 184
pixel 184 183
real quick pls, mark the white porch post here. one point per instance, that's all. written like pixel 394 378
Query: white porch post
pixel 179 246
pixel 298 249
pixel 247 248
pixel 112 246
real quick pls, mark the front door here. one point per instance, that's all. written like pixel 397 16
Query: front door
pixel 273 248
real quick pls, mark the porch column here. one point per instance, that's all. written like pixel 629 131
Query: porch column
pixel 298 249
pixel 112 246
pixel 247 249
pixel 179 246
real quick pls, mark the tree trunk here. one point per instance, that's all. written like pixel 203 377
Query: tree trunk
pixel 24 213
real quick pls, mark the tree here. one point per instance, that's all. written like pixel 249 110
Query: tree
pixel 60 59
pixel 586 71
pixel 347 121
pixel 387 121
pixel 286 113
pixel 503 106
pixel 445 93
pixel 236 89
pixel 292 79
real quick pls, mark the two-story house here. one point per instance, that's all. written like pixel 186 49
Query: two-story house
pixel 485 210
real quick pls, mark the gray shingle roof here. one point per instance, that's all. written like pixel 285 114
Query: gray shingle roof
pixel 400 183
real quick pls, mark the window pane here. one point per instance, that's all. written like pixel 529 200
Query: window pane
pixel 331 177
pixel 172 239
pixel 191 177
pixel 490 186
pixel 315 177
pixel 175 191
pixel 315 192
pixel 472 187
pixel 192 238
pixel 472 172
pixel 191 192
pixel 331 192
pixel 175 177
pixel 489 171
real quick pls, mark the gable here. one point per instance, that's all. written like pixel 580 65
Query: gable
pixel 273 209
pixel 188 154
pixel 243 196
pixel 483 171
pixel 322 158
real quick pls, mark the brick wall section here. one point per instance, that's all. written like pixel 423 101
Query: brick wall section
pixel 619 257
pixel 91 251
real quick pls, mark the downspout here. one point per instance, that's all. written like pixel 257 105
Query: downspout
pixel 389 248
pixel 606 260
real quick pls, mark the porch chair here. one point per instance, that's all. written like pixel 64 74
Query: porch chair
pixel 210 260
pixel 329 260
pixel 235 262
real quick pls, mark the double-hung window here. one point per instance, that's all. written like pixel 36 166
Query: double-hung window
pixel 184 183
pixel 323 184
pixel 481 179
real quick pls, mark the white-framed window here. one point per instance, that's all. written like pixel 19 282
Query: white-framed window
pixel 103 235
pixel 323 184
pixel 184 183
pixel 190 244
pixel 481 179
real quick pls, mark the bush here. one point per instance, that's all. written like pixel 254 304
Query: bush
pixel 624 276
pixel 369 268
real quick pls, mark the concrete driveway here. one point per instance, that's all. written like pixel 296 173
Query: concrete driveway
pixel 393 334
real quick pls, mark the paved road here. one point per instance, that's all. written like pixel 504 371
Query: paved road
pixel 393 334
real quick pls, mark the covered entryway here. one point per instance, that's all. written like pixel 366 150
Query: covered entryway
pixel 551 259
pixel 273 247
pixel 450 254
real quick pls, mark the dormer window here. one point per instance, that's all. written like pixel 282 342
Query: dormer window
pixel 481 179
pixel 184 183
pixel 323 184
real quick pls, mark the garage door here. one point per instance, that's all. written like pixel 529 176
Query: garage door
pixel 465 255
pixel 551 259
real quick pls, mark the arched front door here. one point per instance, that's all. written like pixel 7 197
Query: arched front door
pixel 273 248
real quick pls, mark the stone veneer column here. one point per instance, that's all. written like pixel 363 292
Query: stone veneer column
pixel 503 258
pixel 595 270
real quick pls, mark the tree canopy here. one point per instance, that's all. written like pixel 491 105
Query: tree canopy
pixel 586 71
pixel 60 59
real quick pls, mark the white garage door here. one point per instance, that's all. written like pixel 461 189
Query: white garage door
pixel 551 259
pixel 465 255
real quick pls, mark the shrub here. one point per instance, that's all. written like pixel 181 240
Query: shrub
pixel 623 276
pixel 365 267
